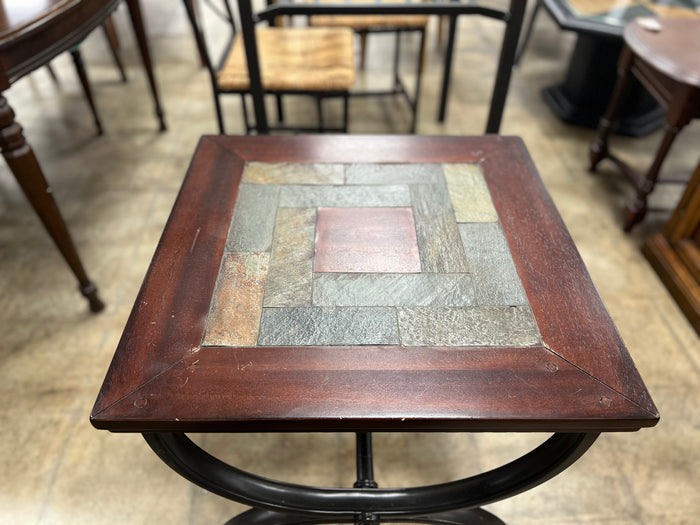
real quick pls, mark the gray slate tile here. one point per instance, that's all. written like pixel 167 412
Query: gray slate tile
pixel 394 174
pixel 341 289
pixel 291 262
pixel 439 243
pixel 328 326
pixel 470 326
pixel 495 278
pixel 253 219
pixel 344 196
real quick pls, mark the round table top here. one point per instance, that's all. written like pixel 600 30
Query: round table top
pixel 673 49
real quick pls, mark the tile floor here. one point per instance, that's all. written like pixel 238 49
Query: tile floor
pixel 116 191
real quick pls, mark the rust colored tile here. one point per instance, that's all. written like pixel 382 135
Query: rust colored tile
pixel 366 240
pixel 234 318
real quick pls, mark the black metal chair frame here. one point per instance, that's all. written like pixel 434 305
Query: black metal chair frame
pixel 512 17
pixel 398 87
pixel 227 16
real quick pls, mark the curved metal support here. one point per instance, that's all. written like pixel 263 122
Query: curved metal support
pixel 539 465
pixel 452 517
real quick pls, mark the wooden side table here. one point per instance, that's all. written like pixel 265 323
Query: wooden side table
pixel 368 284
pixel 675 255
pixel 31 34
pixel 667 63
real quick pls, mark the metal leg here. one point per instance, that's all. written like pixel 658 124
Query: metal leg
pixel 505 65
pixel 87 90
pixel 280 109
pixel 245 10
pixel 416 92
pixel 447 72
pixel 528 33
pixel 319 109
pixel 426 504
pixel 25 167
pixel 346 111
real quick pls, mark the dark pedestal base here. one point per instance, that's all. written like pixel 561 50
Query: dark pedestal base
pixel 584 95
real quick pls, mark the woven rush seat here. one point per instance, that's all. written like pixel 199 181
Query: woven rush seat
pixel 294 59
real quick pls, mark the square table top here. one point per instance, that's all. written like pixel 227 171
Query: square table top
pixel 349 283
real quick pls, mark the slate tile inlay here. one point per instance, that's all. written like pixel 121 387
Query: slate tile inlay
pixel 470 326
pixel 495 277
pixel 234 318
pixel 394 174
pixel 286 173
pixel 436 228
pixel 295 196
pixel 367 254
pixel 393 289
pixel 379 240
pixel 469 193
pixel 328 326
pixel 291 262
pixel 253 219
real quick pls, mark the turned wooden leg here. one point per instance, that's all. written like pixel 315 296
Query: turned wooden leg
pixel 599 148
pixel 137 21
pixel 25 167
pixel 636 209
pixel 82 74
pixel 110 32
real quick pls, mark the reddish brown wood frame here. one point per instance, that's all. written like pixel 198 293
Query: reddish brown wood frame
pixel 581 379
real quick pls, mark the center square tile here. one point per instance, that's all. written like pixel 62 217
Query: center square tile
pixel 366 240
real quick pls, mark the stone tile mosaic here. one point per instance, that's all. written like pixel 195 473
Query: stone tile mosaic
pixel 297 173
pixel 237 304
pixel 425 289
pixel 471 326
pixel 381 240
pixel 328 326
pixel 394 174
pixel 295 196
pixel 469 193
pixel 291 262
pixel 495 277
pixel 253 219
pixel 436 229
pixel 367 254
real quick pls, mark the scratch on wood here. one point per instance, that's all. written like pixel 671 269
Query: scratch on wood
pixel 194 241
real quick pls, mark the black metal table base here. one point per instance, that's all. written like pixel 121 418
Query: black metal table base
pixel 450 517
pixel 281 503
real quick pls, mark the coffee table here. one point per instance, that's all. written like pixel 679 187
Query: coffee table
pixel 368 284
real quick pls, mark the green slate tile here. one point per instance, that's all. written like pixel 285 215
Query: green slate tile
pixel 328 326
pixel 394 174
pixel 438 237
pixel 495 276
pixel 342 289
pixel 294 196
pixel 253 219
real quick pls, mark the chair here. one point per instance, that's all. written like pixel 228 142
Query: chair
pixel 667 64
pixel 309 60
pixel 366 24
